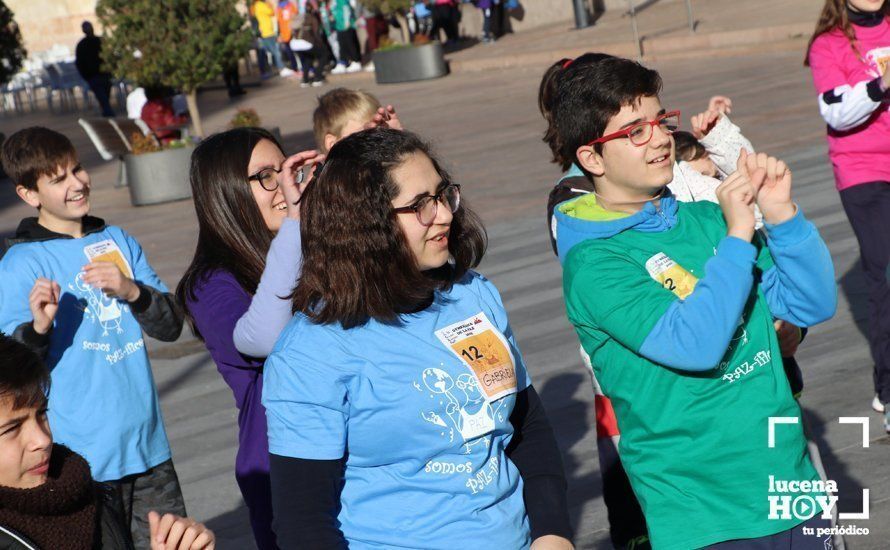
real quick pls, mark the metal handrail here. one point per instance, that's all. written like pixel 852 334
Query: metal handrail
pixel 632 11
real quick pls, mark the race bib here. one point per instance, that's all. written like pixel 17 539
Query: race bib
pixel 485 351
pixel 671 275
pixel 108 251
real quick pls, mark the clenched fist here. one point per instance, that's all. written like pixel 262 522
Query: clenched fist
pixel 44 303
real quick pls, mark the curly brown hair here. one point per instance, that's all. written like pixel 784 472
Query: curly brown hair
pixel 357 264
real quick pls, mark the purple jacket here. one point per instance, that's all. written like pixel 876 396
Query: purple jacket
pixel 220 303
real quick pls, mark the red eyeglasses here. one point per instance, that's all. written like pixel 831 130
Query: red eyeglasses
pixel 641 133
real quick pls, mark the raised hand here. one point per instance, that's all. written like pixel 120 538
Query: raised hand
pixel 172 532
pixel 774 196
pixel 296 172
pixel 108 277
pixel 703 123
pixel 44 303
pixel 721 104
pixel 736 196
pixel 386 116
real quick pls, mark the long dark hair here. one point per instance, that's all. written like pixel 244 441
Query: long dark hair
pixel 232 234
pixel 357 264
pixel 834 16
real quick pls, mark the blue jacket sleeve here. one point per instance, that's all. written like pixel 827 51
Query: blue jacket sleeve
pixel 270 310
pixel 693 334
pixel 800 288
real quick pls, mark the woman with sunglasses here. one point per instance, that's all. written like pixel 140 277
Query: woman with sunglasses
pixel 248 256
pixel 400 411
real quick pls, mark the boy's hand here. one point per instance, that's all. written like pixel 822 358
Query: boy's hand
pixel 172 532
pixel 789 337
pixel 107 277
pixel 736 196
pixel 296 172
pixel 721 104
pixel 551 542
pixel 703 123
pixel 774 196
pixel 44 303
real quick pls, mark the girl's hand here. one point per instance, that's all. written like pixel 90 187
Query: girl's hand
pixel 721 104
pixel 551 542
pixel 172 532
pixel 386 116
pixel 296 171
pixel 885 80
pixel 703 123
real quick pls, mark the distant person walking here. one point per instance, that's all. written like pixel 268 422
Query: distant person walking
pixel 88 59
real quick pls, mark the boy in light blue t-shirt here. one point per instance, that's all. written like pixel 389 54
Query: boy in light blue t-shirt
pixel 80 293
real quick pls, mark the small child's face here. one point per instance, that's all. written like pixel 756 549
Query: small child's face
pixel 25 446
pixel 635 169
pixel 63 195
pixel 704 165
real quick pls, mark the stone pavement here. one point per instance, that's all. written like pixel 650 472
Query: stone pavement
pixel 486 127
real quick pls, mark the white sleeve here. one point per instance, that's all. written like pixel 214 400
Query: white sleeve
pixel 724 144
pixel 846 107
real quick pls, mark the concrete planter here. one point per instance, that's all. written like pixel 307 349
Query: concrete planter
pixel 409 63
pixel 158 177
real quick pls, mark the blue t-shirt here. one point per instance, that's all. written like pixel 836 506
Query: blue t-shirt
pixel 103 403
pixel 424 432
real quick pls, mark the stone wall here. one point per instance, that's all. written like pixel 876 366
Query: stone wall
pixel 45 23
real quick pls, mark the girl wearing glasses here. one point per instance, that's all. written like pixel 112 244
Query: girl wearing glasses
pixel 849 56
pixel 248 256
pixel 400 410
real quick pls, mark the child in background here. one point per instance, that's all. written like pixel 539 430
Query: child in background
pixel 82 292
pixel 347 38
pixel 342 112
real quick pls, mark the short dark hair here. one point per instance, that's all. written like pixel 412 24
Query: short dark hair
pixel 357 264
pixel 24 379
pixel 688 147
pixel 547 95
pixel 34 152
pixel 589 95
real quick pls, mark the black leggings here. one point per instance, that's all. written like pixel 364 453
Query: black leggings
pixel 868 208
pixel 349 48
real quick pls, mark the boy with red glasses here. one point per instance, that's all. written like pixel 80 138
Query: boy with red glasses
pixel 674 305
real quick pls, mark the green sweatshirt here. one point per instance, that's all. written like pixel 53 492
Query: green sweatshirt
pixel 693 442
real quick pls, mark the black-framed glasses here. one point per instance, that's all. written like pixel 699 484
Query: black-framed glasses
pixel 267 178
pixel 426 208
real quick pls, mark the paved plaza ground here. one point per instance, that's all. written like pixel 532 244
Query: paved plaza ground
pixel 486 127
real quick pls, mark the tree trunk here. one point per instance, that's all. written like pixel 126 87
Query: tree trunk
pixel 403 27
pixel 192 100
